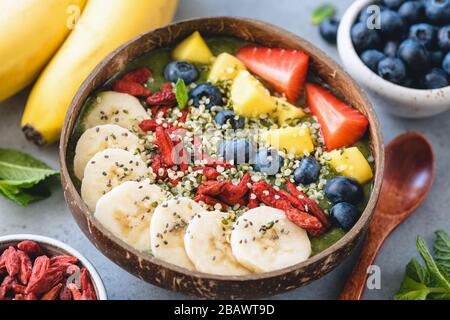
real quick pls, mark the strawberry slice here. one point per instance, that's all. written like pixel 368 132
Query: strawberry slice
pixel 341 124
pixel 284 69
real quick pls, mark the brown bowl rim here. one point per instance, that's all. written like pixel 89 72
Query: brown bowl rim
pixel 374 127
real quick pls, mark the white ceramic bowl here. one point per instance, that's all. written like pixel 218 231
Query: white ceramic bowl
pixel 401 101
pixel 55 247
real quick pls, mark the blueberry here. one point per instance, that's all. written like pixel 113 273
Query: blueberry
pixel 414 55
pixel 237 150
pixel 371 58
pixel 369 13
pixel 328 29
pixel 228 116
pixel 392 69
pixel 343 189
pixel 344 215
pixel 392 25
pixel 393 4
pixel 390 49
pixel 268 161
pixel 412 11
pixel 435 79
pixel 437 11
pixel 181 70
pixel 207 95
pixel 446 63
pixel 444 38
pixel 307 172
pixel 424 33
pixel 364 38
pixel 436 58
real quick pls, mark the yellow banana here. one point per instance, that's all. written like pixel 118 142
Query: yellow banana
pixel 32 31
pixel 103 26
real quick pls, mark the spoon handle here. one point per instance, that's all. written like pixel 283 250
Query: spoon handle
pixel 356 283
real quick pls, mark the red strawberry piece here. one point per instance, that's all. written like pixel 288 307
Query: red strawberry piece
pixel 131 88
pixel 341 124
pixel 285 70
pixel 140 75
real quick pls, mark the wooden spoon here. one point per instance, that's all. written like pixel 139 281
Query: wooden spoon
pixel 408 177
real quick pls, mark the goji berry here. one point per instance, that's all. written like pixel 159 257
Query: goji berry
pixel 131 88
pixel 3 291
pixel 12 261
pixel 211 188
pixel 165 144
pixel 253 201
pixel 30 296
pixel 158 167
pixel 273 198
pixel 17 288
pixel 63 260
pixel 41 264
pixel 25 267
pixel 184 115
pixel 209 200
pixel 140 75
pixel 31 248
pixel 148 125
pixel 208 172
pixel 161 111
pixel 45 282
pixel 86 285
pixel 8 282
pixel 76 294
pixel 308 204
pixel 65 294
pixel 53 293
pixel 164 97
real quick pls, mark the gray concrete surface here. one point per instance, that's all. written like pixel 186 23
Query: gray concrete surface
pixel 52 217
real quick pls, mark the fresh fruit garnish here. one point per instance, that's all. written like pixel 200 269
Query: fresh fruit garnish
pixel 225 67
pixel 392 25
pixel 284 69
pixel 287 112
pixel 295 140
pixel 268 161
pixel 207 95
pixel 412 11
pixel 414 55
pixel 228 116
pixel 364 38
pixel 351 162
pixel 343 189
pixel 341 124
pixel 181 70
pixel 392 69
pixel 250 98
pixel 307 172
pixel 371 58
pixel 328 29
pixel 344 215
pixel 424 33
pixel 193 49
pixel 444 38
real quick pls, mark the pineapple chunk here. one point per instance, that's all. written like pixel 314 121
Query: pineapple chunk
pixel 295 140
pixel 193 49
pixel 226 67
pixel 250 98
pixel 287 112
pixel 350 162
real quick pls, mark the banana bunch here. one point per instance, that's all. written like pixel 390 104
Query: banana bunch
pixel 36 29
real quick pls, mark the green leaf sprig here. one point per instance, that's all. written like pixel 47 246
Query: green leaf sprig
pixel 181 93
pixel 322 12
pixel 22 177
pixel 432 280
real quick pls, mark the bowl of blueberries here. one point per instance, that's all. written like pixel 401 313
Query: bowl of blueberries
pixel 400 50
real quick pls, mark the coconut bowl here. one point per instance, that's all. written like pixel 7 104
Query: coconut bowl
pixel 194 283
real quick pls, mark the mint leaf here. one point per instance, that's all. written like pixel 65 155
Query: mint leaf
pixel 322 12
pixel 22 177
pixel 181 93
pixel 433 268
pixel 441 249
pixel 22 168
pixel 417 272
pixel 412 290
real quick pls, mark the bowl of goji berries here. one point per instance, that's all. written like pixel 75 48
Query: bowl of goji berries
pixel 35 267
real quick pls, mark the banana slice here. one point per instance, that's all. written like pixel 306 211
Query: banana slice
pixel 168 227
pixel 126 211
pixel 100 138
pixel 265 240
pixel 108 169
pixel 207 245
pixel 117 108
